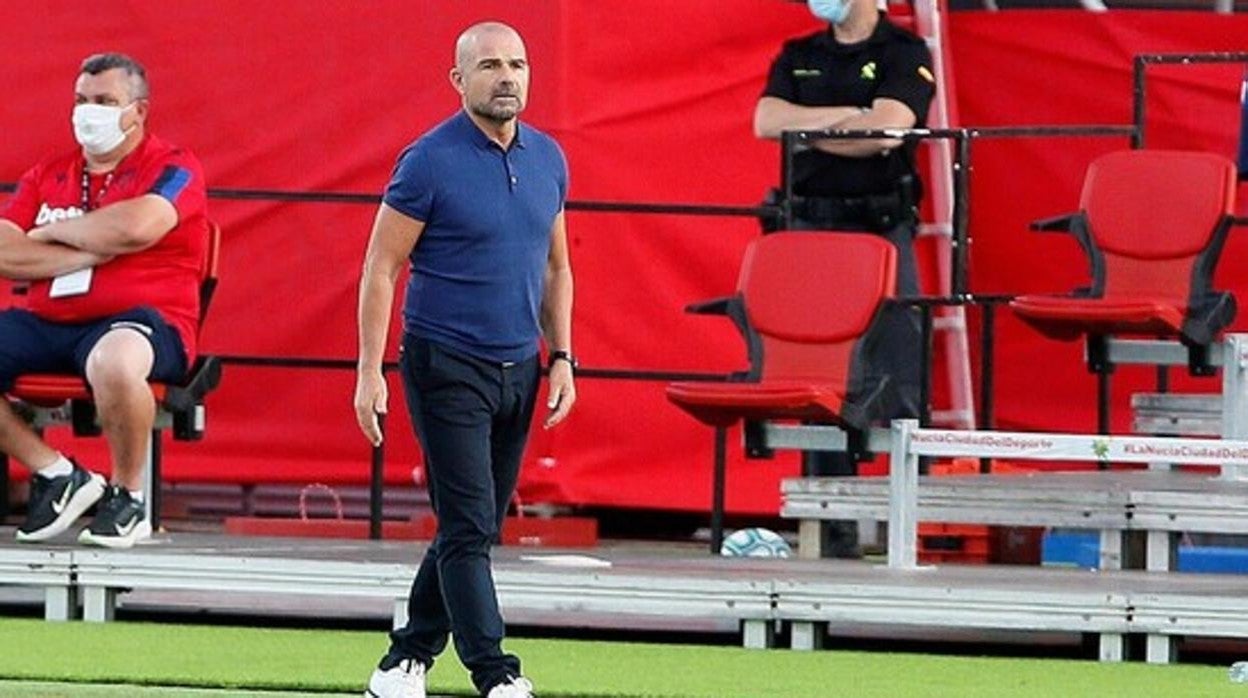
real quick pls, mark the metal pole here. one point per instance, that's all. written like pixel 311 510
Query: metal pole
pixel 1102 405
pixel 153 480
pixel 375 477
pixel 718 478
pixel 1234 396
pixel 925 376
pixel 925 365
pixel 961 211
pixel 986 341
pixel 903 497
pixel 788 144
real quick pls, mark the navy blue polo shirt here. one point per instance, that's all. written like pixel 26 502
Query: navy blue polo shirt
pixel 478 268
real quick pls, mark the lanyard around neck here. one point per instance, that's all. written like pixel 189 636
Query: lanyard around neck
pixel 86 188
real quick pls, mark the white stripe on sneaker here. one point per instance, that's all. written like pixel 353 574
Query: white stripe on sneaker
pixel 78 503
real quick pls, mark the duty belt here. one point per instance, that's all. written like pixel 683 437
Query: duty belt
pixel 873 209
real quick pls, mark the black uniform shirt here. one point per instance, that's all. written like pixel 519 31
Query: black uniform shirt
pixel 818 71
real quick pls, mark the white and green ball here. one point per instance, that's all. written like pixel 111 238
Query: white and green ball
pixel 755 542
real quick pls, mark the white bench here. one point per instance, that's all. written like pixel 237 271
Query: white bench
pixel 50 569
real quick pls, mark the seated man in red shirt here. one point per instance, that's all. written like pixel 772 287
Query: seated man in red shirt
pixel 112 238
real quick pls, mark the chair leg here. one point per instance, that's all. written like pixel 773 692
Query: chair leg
pixel 151 480
pixel 1098 362
pixel 717 489
pixel 1102 405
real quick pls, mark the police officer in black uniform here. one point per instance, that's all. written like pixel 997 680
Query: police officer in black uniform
pixel 862 72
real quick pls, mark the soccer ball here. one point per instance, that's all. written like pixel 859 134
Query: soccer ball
pixel 755 542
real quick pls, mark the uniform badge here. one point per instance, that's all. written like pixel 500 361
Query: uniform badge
pixel 868 71
pixel 807 72
pixel 927 74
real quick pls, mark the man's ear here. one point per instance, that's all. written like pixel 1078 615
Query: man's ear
pixel 457 80
pixel 141 108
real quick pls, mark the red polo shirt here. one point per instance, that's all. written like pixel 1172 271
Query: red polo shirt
pixel 165 276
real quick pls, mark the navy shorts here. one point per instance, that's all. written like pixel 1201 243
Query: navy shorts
pixel 30 344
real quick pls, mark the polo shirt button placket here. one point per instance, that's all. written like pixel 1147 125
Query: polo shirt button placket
pixel 512 180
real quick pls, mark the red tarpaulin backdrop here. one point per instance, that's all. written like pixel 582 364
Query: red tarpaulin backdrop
pixel 651 104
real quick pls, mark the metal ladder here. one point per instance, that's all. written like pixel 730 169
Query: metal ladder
pixel 949 326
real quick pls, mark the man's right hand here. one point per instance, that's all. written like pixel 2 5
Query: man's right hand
pixel 371 396
pixel 27 258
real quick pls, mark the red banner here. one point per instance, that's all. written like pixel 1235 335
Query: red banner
pixel 652 102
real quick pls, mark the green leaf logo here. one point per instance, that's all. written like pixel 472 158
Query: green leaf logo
pixel 1100 448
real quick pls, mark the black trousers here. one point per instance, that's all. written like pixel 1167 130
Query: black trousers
pixel 897 354
pixel 472 418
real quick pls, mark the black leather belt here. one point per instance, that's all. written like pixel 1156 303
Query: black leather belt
pixel 870 209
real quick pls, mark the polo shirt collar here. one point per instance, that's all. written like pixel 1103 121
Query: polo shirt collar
pixel 478 137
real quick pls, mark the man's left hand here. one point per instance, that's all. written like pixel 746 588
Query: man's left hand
pixel 562 393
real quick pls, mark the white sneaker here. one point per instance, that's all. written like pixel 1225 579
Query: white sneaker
pixel 405 680
pixel 514 687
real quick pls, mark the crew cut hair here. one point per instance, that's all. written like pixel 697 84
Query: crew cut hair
pixel 101 62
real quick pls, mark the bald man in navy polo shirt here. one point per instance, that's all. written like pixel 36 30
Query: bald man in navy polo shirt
pixel 476 206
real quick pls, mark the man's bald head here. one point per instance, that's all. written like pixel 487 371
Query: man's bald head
pixel 468 45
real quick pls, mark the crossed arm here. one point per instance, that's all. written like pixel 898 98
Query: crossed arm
pixel 773 115
pixel 77 243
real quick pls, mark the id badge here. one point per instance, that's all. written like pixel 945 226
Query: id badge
pixel 74 283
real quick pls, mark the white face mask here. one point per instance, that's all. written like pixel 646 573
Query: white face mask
pixel 834 11
pixel 98 127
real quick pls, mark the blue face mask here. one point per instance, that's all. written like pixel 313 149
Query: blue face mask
pixel 834 11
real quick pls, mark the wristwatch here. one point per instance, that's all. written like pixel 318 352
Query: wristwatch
pixel 561 355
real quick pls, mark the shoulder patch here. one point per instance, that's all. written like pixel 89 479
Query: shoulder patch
pixel 926 74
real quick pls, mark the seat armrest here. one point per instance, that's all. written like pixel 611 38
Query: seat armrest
pixel 1054 224
pixel 185 402
pixel 205 376
pixel 712 306
pixel 733 308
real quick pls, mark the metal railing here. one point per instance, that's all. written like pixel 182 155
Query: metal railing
pixel 791 141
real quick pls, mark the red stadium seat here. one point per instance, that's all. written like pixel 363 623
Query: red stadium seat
pixel 60 398
pixel 806 305
pixel 805 301
pixel 1153 223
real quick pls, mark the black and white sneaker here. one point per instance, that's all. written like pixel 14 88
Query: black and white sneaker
pixel 120 521
pixel 57 502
